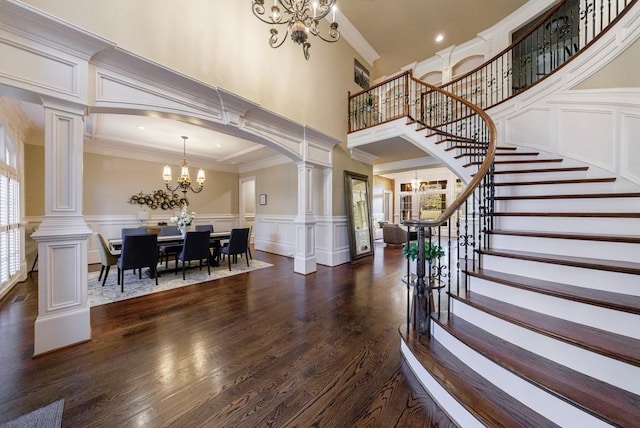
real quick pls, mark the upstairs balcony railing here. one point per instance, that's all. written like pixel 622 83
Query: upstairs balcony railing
pixel 454 115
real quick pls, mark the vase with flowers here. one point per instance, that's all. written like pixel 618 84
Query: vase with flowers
pixel 183 219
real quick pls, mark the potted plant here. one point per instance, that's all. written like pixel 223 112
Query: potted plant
pixel 431 251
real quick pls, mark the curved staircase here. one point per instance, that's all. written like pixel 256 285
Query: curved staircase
pixel 549 321
pixel 542 326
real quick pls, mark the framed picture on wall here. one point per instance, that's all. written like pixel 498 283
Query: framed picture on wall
pixel 263 199
pixel 360 74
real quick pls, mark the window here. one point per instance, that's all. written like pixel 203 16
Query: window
pixel 9 211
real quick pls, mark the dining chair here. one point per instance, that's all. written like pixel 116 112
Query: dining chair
pixel 138 251
pixel 214 244
pixel 126 231
pixel 108 257
pixel 238 244
pixel 164 251
pixel 196 247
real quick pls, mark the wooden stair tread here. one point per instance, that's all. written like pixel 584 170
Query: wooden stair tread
pixel 605 299
pixel 498 154
pixel 618 347
pixel 566 235
pixel 518 161
pixel 571 196
pixel 584 262
pixel 475 146
pixel 568 214
pixel 485 401
pixel 604 401
pixel 563 181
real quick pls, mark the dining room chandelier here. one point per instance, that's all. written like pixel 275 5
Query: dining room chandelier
pixel 184 181
pixel 301 18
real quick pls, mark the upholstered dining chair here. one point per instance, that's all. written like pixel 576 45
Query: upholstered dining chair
pixel 164 251
pixel 126 231
pixel 238 244
pixel 108 257
pixel 138 251
pixel 214 244
pixel 196 247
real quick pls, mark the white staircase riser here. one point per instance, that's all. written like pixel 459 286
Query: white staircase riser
pixel 570 205
pixel 548 405
pixel 614 282
pixel 595 316
pixel 569 247
pixel 608 225
pixel 606 369
pixel 558 189
pixel 537 176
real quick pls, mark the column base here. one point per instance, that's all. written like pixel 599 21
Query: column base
pixel 304 265
pixel 57 331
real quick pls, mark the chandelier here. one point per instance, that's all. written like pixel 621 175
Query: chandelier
pixel 184 181
pixel 301 18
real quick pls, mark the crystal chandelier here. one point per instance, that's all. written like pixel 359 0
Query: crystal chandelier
pixel 184 181
pixel 301 18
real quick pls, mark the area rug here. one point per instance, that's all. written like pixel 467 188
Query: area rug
pixel 134 287
pixel 49 416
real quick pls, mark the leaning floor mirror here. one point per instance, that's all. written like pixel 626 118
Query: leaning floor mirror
pixel 356 192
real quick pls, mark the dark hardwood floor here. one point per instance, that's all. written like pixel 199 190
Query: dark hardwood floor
pixel 265 349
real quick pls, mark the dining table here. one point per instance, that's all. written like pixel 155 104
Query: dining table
pixel 214 237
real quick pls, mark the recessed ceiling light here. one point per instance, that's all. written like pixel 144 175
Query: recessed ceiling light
pixel 218 145
pixel 140 127
pixel 439 38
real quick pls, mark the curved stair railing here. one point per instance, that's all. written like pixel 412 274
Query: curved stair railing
pixel 548 44
pixel 453 116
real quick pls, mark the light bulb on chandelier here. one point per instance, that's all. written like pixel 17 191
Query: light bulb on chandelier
pixel 184 181
pixel 301 18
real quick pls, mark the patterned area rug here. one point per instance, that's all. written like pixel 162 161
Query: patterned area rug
pixel 134 287
pixel 45 417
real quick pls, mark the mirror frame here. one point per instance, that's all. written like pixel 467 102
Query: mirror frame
pixel 349 178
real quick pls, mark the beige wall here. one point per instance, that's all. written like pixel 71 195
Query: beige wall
pixel 622 72
pixel 110 181
pixel 33 180
pixel 280 184
pixel 220 42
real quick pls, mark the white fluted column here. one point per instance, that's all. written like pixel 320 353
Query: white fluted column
pixel 63 307
pixel 305 223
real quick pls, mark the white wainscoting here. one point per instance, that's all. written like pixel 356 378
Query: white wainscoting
pixel 277 234
pixel 598 127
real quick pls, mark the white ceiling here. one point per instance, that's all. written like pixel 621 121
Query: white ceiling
pixel 379 22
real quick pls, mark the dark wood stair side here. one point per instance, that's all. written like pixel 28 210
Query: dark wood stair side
pixel 567 181
pixel 564 235
pixel 600 399
pixel 604 299
pixel 615 346
pixel 583 262
pixel 571 196
pixel 517 161
pixel 488 403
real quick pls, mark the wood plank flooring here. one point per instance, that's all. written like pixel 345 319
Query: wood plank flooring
pixel 265 349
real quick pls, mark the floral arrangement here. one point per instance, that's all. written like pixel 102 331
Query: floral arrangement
pixel 184 218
